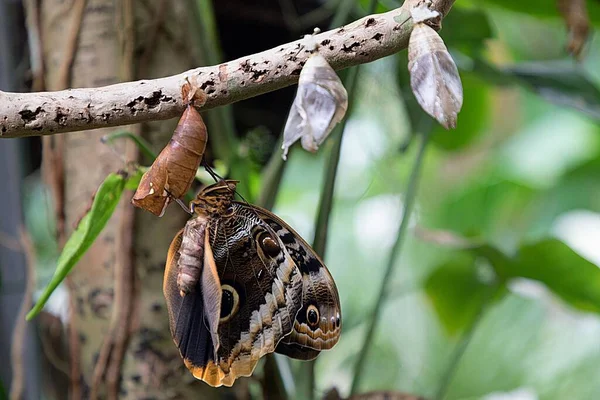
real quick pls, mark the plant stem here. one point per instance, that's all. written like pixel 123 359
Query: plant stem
pixel 220 121
pixel 271 179
pixel 326 201
pixel 342 13
pixel 409 199
pixel 461 347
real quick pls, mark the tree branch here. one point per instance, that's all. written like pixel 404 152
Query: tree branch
pixel 48 113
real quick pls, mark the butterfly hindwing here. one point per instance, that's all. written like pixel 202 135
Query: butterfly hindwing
pixel 318 323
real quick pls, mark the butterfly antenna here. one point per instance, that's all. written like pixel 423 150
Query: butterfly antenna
pixel 212 172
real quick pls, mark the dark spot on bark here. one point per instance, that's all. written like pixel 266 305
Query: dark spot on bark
pixel 154 100
pixel 156 307
pixel 82 338
pixel 101 302
pixel 351 48
pixel 255 73
pixel 28 115
pixel 207 84
pixel 242 83
pixel 105 117
pixel 136 378
pixel 396 28
pixel 37 128
pixel 71 97
pixel 135 101
pixel 224 92
pixel 325 42
pixel 296 71
pixel 109 239
pixel 370 22
pixel 341 30
pixel 3 129
pixel 363 53
pixel 378 36
pixel 331 48
pixel 61 118
pixel 149 102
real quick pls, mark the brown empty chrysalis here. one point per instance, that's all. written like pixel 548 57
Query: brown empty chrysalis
pixel 173 171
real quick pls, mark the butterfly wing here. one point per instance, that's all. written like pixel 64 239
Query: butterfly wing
pixel 318 323
pixel 261 294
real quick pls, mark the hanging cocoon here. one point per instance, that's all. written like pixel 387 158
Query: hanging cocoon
pixel 321 102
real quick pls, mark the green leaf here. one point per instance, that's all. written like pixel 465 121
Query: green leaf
pixel 104 204
pixel 470 41
pixel 133 181
pixel 541 8
pixel 566 273
pixel 457 292
pixel 558 82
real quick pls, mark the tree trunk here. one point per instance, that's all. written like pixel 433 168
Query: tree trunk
pixel 119 336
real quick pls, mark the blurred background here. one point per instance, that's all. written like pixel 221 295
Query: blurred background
pixel 495 291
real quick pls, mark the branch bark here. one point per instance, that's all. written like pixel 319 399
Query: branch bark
pixel 48 113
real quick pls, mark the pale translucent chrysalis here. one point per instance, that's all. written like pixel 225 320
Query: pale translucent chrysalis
pixel 434 77
pixel 321 102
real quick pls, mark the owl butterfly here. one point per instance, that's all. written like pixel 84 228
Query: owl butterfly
pixel 320 103
pixel 173 171
pixel 239 284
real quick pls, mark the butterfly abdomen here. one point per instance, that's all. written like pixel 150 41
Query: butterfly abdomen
pixel 191 255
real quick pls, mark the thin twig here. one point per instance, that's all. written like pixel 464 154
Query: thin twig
pixel 32 10
pixel 328 188
pixel 221 121
pixel 122 321
pixel 461 347
pixel 64 71
pixel 151 36
pixel 271 179
pixel 409 199
pixel 75 390
pixel 53 171
pixel 17 352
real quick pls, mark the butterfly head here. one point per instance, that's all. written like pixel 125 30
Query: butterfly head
pixel 215 199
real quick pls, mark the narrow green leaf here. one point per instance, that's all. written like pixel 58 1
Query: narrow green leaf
pixel 541 8
pixel 104 204
pixel 567 274
pixel 558 82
